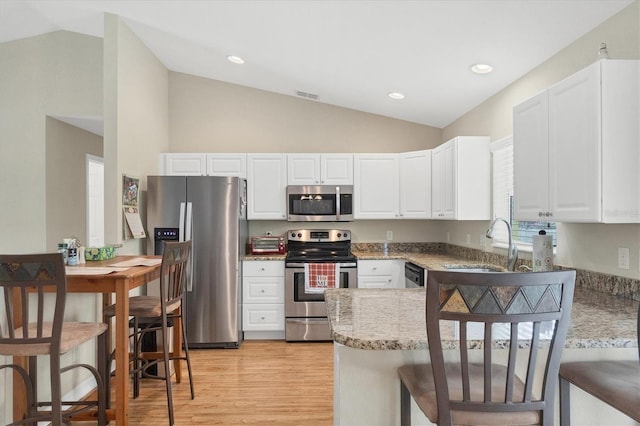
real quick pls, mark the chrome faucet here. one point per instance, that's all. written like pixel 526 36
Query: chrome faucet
pixel 512 251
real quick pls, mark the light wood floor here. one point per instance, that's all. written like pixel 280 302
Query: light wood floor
pixel 261 383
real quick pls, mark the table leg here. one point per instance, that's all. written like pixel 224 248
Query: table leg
pixel 177 346
pixel 122 352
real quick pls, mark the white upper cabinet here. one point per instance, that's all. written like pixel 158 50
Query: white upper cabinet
pixel 531 158
pixel 227 165
pixel 461 179
pixel 266 186
pixel 179 164
pixel 196 164
pixel 415 185
pixel 320 169
pixel 590 148
pixel 376 183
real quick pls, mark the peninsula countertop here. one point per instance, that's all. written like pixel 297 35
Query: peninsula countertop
pixel 394 319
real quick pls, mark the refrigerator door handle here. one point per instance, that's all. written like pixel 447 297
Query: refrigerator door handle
pixel 181 229
pixel 189 217
pixel 189 229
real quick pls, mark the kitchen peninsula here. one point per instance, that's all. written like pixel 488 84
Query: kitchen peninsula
pixel 377 330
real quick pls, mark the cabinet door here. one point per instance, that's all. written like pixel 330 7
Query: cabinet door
pixel 303 169
pixel 263 317
pixel 183 164
pixel 266 186
pixel 376 180
pixel 574 147
pixel 227 165
pixel 444 181
pixel 336 169
pixel 531 158
pixel 380 273
pixel 415 185
pixel 262 289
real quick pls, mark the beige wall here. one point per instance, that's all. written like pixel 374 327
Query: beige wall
pixel 66 180
pixel 54 74
pixel 589 246
pixel 213 116
pixel 135 121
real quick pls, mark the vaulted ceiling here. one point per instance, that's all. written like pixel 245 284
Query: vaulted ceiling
pixel 347 53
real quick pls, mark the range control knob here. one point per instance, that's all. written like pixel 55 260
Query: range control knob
pixel 339 235
pixel 299 234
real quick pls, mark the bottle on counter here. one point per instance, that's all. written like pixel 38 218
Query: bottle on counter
pixel 63 248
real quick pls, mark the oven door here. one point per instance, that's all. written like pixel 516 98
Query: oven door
pixel 299 303
pixel 306 314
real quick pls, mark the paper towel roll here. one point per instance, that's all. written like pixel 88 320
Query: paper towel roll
pixel 542 253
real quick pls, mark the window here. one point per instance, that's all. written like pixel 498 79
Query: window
pixel 523 231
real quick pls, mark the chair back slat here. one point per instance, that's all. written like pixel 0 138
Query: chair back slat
pixel 505 307
pixel 464 363
pixel 533 358
pixel 511 364
pixel 24 279
pixel 175 262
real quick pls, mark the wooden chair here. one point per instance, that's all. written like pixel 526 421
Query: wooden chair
pixel 38 331
pixel 616 383
pixel 152 314
pixel 490 391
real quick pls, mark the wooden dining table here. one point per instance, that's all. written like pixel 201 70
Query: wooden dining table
pixel 107 278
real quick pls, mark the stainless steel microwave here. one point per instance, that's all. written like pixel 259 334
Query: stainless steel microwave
pixel 319 203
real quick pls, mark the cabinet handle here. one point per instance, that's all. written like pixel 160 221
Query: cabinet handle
pixel 540 214
pixel 262 291
pixel 549 214
pixel 262 318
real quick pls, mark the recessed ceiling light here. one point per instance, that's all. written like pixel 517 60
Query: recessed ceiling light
pixel 481 68
pixel 396 95
pixel 235 59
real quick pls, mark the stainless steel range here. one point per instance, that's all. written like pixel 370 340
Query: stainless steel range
pixel 316 259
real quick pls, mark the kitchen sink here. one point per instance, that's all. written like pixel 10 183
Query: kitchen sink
pixel 468 268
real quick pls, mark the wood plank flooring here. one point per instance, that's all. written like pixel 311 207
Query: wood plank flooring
pixel 261 383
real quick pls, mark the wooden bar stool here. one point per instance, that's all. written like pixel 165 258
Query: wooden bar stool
pixel 490 392
pixel 616 383
pixel 23 279
pixel 153 314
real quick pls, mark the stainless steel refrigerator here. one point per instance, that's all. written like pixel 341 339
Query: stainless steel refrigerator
pixel 211 212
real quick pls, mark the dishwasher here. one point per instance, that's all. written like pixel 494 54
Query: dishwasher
pixel 414 275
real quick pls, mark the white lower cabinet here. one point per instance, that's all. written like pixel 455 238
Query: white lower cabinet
pixel 381 273
pixel 263 299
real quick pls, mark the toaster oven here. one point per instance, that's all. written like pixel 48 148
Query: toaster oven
pixel 268 245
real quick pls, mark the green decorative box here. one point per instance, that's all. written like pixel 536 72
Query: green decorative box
pixel 99 253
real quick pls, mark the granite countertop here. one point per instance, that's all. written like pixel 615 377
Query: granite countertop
pixel 425 260
pixel 381 319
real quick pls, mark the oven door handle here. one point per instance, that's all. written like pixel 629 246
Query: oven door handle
pixel 301 265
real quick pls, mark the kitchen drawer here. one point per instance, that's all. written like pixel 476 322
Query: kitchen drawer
pixel 375 281
pixel 263 290
pixel 376 267
pixel 263 268
pixel 263 317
